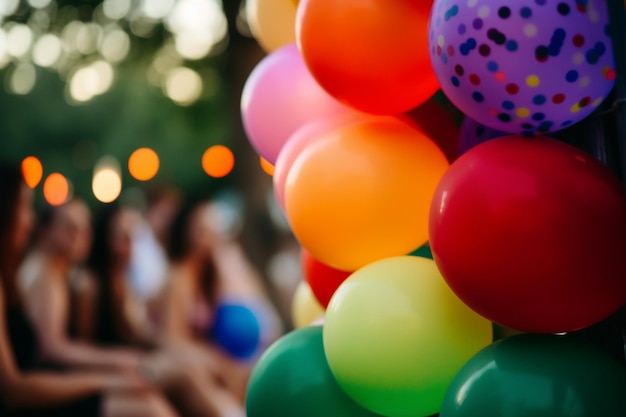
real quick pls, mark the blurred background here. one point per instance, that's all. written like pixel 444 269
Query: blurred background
pixel 86 83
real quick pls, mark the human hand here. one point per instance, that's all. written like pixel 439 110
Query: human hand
pixel 124 382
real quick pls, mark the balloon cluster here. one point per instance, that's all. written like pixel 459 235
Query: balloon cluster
pixel 526 232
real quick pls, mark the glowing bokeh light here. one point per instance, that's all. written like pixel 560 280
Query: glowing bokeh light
pixel 8 7
pixel 115 45
pixel 87 38
pixel 116 9
pixel 56 189
pixel 218 161
pixel 106 184
pixel 183 85
pixel 84 84
pixel 3 43
pixel 266 166
pixel 157 9
pixel 19 40
pixel 39 4
pixel 143 164
pixel 69 35
pixel 32 171
pixel 22 79
pixel 105 76
pixel 47 50
pixel 90 81
pixel 197 25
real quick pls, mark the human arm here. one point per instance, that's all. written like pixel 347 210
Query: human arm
pixel 85 290
pixel 38 390
pixel 174 300
pixel 47 304
pixel 238 279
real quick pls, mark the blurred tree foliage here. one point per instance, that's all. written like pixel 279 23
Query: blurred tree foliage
pixel 70 138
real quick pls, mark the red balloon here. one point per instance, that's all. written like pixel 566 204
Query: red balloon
pixel 323 279
pixel 372 55
pixel 439 124
pixel 531 233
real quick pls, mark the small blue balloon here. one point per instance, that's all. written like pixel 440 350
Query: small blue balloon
pixel 237 330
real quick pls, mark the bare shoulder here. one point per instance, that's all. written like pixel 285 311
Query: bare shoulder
pixel 36 280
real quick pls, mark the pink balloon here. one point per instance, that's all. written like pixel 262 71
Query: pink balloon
pixel 298 142
pixel 279 97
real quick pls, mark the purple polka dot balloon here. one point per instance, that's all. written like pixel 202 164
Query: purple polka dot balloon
pixel 524 66
pixel 473 133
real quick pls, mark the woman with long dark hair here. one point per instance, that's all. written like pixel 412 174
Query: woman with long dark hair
pixel 208 268
pixel 122 319
pixel 24 389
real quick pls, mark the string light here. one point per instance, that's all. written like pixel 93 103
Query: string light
pixel 32 170
pixel 218 161
pixel 143 164
pixel 56 189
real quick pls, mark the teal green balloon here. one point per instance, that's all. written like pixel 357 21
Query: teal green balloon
pixel 538 376
pixel 292 379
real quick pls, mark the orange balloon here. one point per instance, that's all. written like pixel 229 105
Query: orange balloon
pixel 299 141
pixel 372 55
pixel 362 192
pixel 266 166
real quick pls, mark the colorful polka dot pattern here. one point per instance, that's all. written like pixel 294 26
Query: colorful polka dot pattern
pixel 533 67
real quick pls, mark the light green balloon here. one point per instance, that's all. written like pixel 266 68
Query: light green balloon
pixel 395 336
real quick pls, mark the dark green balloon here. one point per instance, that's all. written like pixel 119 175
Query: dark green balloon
pixel 423 251
pixel 292 379
pixel 538 376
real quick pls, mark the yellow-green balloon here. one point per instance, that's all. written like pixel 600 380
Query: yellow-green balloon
pixel 396 335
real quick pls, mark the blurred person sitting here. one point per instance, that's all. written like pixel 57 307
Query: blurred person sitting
pixel 61 247
pixel 208 268
pixel 121 320
pixel 25 389
pixel 148 261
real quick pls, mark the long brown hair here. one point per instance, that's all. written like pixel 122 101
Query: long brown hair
pixel 179 247
pixel 113 326
pixel 11 181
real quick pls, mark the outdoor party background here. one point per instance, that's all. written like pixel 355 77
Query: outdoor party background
pixel 526 231
pixel 49 111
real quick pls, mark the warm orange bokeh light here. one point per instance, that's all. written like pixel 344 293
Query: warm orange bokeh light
pixel 218 161
pixel 143 164
pixel 266 166
pixel 32 170
pixel 56 189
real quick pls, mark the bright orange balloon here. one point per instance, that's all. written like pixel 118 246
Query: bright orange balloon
pixel 266 166
pixel 372 55
pixel 218 161
pixel 362 192
pixel 32 171
pixel 299 141
pixel 143 164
